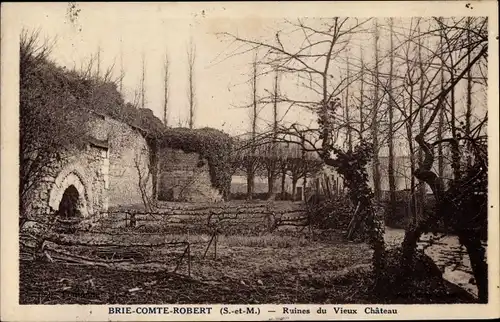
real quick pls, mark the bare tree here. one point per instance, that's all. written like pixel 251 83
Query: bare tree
pixel 122 70
pixel 432 98
pixel 374 120
pixel 144 172
pixel 136 101
pixel 453 46
pixel 311 60
pixel 301 166
pixel 441 116
pixel 361 94
pixel 348 106
pixel 252 162
pixel 421 96
pixel 451 66
pixel 191 55
pixel 166 89
pixel 273 168
pixel 468 112
pixel 391 174
pixel 283 170
pixel 98 58
pixel 143 80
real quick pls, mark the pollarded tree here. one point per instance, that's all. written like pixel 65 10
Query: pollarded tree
pixel 269 161
pixel 300 165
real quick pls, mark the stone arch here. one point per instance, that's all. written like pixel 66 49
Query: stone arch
pixel 72 175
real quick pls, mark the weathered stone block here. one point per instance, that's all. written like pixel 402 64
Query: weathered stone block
pixel 185 177
pixel 48 179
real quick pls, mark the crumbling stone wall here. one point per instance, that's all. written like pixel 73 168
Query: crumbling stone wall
pixel 105 173
pixel 114 169
pixel 184 177
pixel 129 165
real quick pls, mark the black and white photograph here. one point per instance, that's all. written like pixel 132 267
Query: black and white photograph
pixel 175 155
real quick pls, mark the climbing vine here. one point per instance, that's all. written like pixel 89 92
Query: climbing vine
pixel 351 165
pixel 210 144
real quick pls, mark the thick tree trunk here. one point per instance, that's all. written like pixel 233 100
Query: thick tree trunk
pixel 411 233
pixel 304 184
pixel 250 183
pixel 283 191
pixel 326 186
pixel 440 132
pixel 271 178
pixel 294 188
pixel 361 194
pixel 425 175
pixel 472 242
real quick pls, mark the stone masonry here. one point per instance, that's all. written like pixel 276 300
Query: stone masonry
pixel 185 177
pixel 113 169
pixel 105 173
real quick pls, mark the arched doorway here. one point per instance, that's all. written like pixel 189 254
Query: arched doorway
pixel 72 186
pixel 69 207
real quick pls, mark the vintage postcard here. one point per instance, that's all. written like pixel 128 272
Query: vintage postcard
pixel 249 161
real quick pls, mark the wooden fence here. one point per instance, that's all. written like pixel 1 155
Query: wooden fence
pixel 128 238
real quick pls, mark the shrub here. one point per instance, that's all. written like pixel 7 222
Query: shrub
pixel 334 213
pixel 401 217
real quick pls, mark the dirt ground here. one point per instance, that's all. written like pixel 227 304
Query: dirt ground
pixel 256 270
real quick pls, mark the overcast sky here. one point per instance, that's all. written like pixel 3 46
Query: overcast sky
pixel 135 29
pixel 154 29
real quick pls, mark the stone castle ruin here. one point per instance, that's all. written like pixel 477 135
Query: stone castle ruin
pixel 114 169
pixel 85 152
